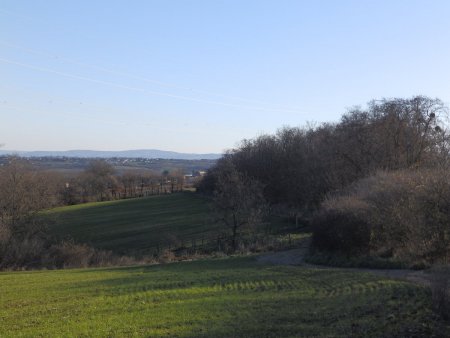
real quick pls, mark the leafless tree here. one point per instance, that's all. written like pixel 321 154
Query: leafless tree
pixel 299 167
pixel 23 193
pixel 238 201
pixel 99 179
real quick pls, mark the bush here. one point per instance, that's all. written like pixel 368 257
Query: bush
pixel 24 253
pixel 341 231
pixel 403 215
pixel 69 255
pixel 38 253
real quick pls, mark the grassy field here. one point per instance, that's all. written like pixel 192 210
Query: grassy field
pixel 234 297
pixel 136 224
pixel 230 297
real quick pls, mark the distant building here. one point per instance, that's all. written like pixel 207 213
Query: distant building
pixel 198 173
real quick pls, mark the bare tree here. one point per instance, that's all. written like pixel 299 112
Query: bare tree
pixel 238 201
pixel 23 193
pixel 99 178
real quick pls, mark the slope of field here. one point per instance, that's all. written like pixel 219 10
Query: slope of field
pixel 136 225
pixel 234 297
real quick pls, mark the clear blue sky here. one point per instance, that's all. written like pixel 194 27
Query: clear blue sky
pixel 199 76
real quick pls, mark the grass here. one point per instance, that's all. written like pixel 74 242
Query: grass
pixel 136 225
pixel 144 225
pixel 234 297
pixel 343 261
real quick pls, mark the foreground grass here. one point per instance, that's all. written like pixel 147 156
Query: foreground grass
pixel 343 261
pixel 213 298
pixel 136 224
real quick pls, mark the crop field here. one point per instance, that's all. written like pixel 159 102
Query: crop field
pixel 232 297
pixel 136 224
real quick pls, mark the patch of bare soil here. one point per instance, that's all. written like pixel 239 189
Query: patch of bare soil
pixel 287 257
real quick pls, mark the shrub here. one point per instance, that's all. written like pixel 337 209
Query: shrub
pixel 404 215
pixel 341 231
pixel 23 253
pixel 38 253
pixel 69 255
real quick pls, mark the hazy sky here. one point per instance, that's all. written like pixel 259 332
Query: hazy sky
pixel 199 76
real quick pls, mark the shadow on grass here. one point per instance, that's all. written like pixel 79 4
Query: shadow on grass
pixel 234 297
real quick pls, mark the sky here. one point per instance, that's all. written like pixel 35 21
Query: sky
pixel 200 76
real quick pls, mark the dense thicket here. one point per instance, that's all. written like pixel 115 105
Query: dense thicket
pixel 299 167
pixel 401 214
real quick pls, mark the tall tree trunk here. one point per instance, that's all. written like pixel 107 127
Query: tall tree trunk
pixel 235 226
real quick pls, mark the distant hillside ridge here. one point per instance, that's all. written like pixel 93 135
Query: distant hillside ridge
pixel 138 153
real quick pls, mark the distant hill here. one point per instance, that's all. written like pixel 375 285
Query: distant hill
pixel 139 153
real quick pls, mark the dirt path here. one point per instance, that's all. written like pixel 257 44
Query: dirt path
pixel 297 257
pixel 288 257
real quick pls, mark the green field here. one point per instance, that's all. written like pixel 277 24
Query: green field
pixel 234 297
pixel 230 297
pixel 136 225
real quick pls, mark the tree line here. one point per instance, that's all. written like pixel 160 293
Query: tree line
pixel 298 169
pixel 25 193
pixel 374 183
pixel 100 182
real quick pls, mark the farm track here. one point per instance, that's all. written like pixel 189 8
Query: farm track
pixel 297 257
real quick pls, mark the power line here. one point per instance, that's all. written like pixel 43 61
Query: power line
pixel 142 90
pixel 156 82
pixel 133 76
pixel 126 74
pixel 129 122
